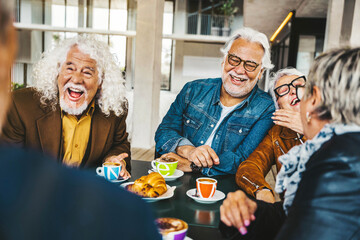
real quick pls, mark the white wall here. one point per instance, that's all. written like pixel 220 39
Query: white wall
pixel 194 61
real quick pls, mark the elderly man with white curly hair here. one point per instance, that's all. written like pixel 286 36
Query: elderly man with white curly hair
pixel 76 110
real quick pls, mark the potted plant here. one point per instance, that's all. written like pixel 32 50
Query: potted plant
pixel 228 10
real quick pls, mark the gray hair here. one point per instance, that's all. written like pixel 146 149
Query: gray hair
pixel 251 35
pixel 337 74
pixel 6 13
pixel 111 96
pixel 274 77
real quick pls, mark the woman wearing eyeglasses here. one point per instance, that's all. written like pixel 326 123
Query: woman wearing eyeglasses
pixel 285 84
pixel 320 179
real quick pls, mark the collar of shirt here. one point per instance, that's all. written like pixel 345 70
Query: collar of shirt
pixel 89 111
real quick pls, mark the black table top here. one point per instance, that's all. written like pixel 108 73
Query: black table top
pixel 203 219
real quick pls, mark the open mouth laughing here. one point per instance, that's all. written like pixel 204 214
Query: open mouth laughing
pixel 294 101
pixel 237 80
pixel 75 93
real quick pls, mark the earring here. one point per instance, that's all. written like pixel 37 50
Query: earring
pixel 308 117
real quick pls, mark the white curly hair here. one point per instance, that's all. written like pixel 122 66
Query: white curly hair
pixel 110 97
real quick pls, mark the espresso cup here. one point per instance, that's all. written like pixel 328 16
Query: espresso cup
pixel 166 167
pixel 109 170
pixel 206 187
pixel 172 228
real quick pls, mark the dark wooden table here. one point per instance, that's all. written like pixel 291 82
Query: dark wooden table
pixel 203 219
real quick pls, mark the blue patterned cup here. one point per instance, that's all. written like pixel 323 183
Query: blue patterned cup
pixel 109 170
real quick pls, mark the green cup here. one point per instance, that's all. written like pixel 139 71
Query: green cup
pixel 165 167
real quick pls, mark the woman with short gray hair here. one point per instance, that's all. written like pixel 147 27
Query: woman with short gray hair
pixel 320 178
pixel 286 133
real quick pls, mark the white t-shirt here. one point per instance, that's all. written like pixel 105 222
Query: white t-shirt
pixel 224 112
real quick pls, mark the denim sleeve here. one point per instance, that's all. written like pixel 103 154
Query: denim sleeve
pixel 169 134
pixel 230 161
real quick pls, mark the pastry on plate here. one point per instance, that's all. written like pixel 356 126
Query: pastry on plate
pixel 152 185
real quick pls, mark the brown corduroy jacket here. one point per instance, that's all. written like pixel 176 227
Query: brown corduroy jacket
pixel 251 173
pixel 31 124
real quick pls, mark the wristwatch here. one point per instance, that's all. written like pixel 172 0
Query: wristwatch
pixel 194 168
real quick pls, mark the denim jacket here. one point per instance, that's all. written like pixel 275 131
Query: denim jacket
pixel 195 112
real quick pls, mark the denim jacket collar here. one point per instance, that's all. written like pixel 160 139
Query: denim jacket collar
pixel 216 98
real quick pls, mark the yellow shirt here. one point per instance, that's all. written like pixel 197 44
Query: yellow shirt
pixel 75 135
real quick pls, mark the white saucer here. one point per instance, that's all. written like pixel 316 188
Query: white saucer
pixel 168 194
pixel 217 196
pixel 178 173
pixel 113 181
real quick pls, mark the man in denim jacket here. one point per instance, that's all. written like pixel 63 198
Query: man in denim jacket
pixel 214 124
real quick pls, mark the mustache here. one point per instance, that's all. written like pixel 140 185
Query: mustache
pixel 75 86
pixel 233 73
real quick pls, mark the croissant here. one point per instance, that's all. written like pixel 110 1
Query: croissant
pixel 152 185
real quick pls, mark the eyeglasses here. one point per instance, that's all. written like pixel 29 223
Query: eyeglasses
pixel 285 88
pixel 249 66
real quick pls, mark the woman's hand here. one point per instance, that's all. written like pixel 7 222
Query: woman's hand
pixel 120 159
pixel 289 119
pixel 238 211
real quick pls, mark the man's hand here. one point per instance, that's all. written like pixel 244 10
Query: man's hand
pixel 183 163
pixel 265 195
pixel 202 156
pixel 238 210
pixel 289 119
pixel 120 159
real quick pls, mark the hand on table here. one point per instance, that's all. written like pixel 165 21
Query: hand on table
pixel 202 156
pixel 120 159
pixel 238 211
pixel 265 195
pixel 183 163
pixel 289 119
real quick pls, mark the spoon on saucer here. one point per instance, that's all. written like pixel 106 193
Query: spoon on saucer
pixel 196 193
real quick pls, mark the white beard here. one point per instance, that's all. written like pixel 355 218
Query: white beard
pixel 237 92
pixel 72 110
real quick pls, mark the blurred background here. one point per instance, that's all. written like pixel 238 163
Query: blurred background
pixel 162 44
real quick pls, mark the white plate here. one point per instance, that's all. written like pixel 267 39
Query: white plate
pixel 113 181
pixel 168 194
pixel 178 173
pixel 217 196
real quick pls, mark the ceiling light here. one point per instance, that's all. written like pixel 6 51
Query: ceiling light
pixel 282 25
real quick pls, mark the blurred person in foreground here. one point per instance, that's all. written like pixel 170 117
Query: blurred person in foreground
pixel 214 124
pixel 320 178
pixel 40 199
pixel 76 110
pixel 286 133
